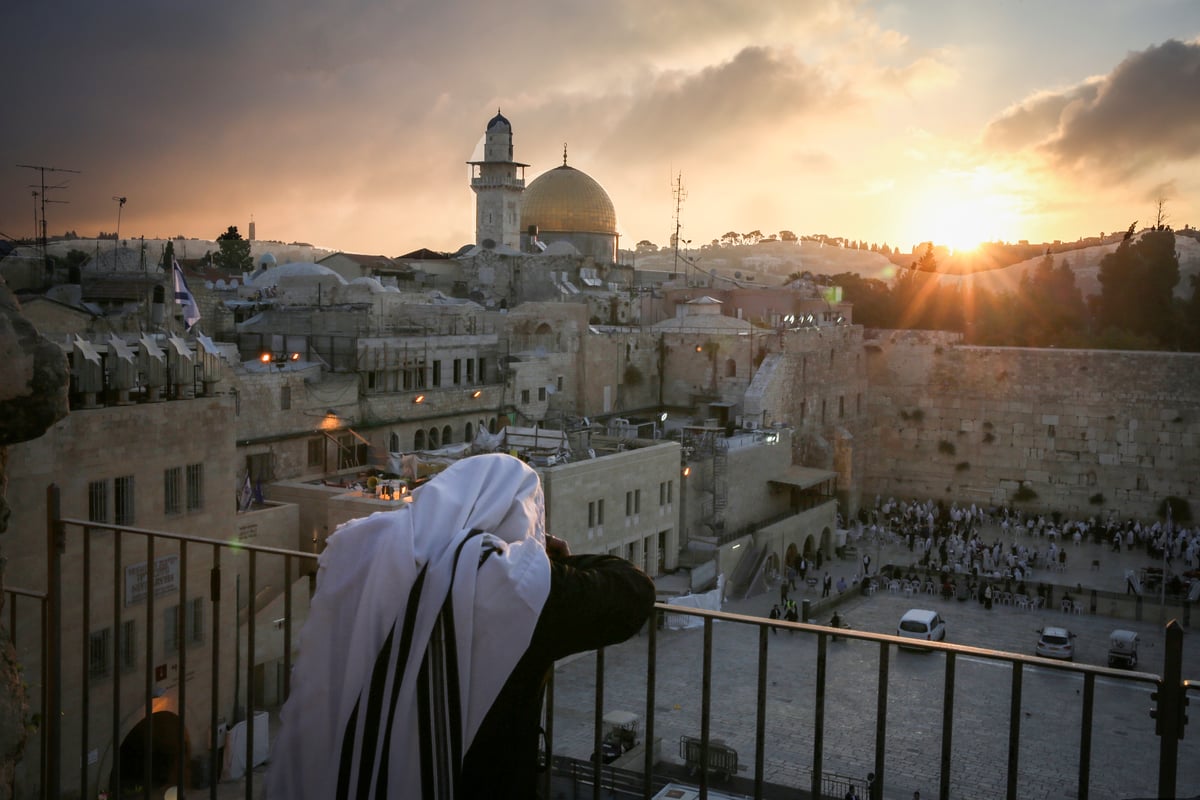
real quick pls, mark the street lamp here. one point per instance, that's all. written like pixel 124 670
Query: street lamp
pixel 280 360
pixel 120 205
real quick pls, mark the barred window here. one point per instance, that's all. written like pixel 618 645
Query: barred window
pixel 98 501
pixel 123 500
pixel 100 653
pixel 128 645
pixel 171 631
pixel 193 626
pixel 195 487
pixel 172 490
pixel 195 621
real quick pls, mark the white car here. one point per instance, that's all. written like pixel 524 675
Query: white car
pixel 1056 643
pixel 920 623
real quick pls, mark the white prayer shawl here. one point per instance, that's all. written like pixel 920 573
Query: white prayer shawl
pixel 349 713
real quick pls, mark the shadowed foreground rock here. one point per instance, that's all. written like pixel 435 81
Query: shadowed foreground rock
pixel 33 396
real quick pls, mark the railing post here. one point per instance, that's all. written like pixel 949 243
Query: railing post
pixel 56 545
pixel 1169 710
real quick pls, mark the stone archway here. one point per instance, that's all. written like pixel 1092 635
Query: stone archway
pixel 826 545
pixel 790 557
pixel 167 764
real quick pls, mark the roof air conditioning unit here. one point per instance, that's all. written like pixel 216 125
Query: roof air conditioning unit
pixel 751 425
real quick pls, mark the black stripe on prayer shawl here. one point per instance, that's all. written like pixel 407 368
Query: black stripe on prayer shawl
pixel 439 704
pixel 375 702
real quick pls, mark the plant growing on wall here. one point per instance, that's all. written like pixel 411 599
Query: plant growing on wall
pixel 962 466
pixel 1181 509
pixel 1024 492
pixel 1097 499
pixel 633 375
pixel 947 447
pixel 989 437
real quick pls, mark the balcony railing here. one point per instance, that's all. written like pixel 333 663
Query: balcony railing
pixel 88 582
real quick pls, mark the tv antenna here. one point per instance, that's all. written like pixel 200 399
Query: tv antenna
pixel 43 187
pixel 679 194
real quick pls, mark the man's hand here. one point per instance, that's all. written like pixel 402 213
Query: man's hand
pixel 556 548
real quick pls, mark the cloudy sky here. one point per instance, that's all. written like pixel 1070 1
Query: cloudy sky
pixel 347 123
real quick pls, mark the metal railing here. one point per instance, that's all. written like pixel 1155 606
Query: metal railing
pixel 1170 696
pixel 73 544
pixel 79 546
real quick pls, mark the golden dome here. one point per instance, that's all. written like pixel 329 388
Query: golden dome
pixel 565 200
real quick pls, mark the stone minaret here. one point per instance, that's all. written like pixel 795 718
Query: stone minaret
pixel 498 182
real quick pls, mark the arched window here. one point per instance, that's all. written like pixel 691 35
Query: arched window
pixel 730 368
pixel 394 443
pixel 419 440
pixel 469 433
pixel 544 329
pixel 492 425
pixel 447 436
pixel 433 439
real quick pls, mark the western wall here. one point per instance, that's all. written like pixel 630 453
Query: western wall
pixel 1084 432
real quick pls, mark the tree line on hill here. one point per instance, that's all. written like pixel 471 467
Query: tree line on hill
pixel 1135 310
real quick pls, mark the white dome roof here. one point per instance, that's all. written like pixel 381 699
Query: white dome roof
pixel 296 269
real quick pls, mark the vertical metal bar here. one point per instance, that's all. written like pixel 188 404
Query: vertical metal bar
pixel 12 618
pixel 253 591
pixel 597 727
pixel 819 716
pixel 56 544
pixel 149 679
pixel 548 775
pixel 947 728
pixel 1014 730
pixel 760 728
pixel 705 706
pixel 182 627
pixel 651 679
pixel 214 596
pixel 287 626
pixel 44 736
pixel 1170 709
pixel 118 597
pixel 1085 735
pixel 85 649
pixel 881 722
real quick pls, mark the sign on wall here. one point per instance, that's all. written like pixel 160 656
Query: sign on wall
pixel 166 579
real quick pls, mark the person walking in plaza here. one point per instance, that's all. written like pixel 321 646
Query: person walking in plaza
pixel 987 597
pixel 827 584
pixel 775 614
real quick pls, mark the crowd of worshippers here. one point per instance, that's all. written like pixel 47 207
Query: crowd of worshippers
pixel 953 537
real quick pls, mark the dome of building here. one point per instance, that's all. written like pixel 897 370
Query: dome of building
pixel 265 261
pixel 565 200
pixel 499 119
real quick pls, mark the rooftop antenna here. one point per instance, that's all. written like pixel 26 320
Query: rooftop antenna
pixel 564 154
pixel 43 170
pixel 680 194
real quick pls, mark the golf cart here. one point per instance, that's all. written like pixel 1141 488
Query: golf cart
pixel 620 734
pixel 1122 649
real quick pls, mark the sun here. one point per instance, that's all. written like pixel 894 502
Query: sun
pixel 962 210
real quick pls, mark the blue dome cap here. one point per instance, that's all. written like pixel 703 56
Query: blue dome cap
pixel 499 119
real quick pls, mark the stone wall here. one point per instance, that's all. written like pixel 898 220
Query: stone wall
pixel 1086 431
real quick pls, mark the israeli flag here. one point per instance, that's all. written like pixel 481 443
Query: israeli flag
pixel 184 297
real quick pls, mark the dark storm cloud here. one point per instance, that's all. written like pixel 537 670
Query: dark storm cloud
pixel 1037 118
pixel 758 89
pixel 1141 114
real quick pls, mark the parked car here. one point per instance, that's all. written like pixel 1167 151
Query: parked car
pixel 1056 643
pixel 920 623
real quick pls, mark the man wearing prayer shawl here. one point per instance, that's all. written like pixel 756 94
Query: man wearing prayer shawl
pixel 429 639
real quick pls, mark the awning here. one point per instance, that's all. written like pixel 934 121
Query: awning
pixel 803 477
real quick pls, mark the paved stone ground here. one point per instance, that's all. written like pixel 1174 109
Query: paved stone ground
pixel 1124 755
pixel 1124 758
